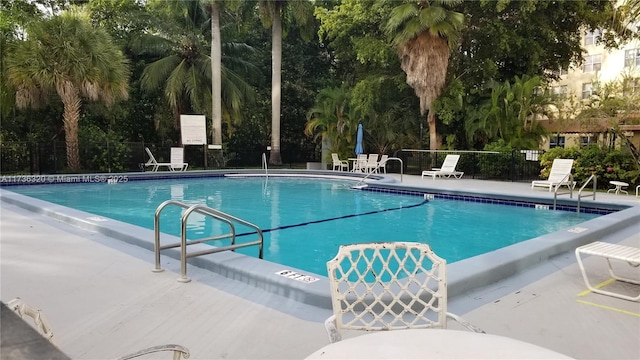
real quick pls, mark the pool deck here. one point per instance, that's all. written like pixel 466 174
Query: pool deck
pixel 103 301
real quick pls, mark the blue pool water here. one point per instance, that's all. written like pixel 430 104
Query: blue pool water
pixel 306 220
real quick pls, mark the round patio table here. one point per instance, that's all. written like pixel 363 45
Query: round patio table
pixel 618 187
pixel 433 344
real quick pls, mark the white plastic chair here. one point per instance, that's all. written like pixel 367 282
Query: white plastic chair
pixel 382 163
pixel 361 163
pixel 177 159
pixel 558 176
pixel 40 321
pixel 388 286
pixel 448 168
pixel 342 165
pixel 42 326
pixel 372 164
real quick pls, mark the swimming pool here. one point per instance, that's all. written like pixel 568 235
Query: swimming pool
pixel 306 220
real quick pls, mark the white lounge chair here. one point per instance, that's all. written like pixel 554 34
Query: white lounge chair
pixel 622 253
pixel 388 286
pixel 448 168
pixel 155 165
pixel 177 160
pixel 559 175
pixel 342 165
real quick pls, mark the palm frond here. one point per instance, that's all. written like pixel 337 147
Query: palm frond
pixel 157 72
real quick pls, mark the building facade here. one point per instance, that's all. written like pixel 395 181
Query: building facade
pixel 580 84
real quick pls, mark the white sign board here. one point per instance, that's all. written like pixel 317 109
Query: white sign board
pixel 193 129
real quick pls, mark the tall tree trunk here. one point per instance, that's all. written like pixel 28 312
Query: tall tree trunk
pixel 71 101
pixel 216 75
pixel 433 134
pixel 275 157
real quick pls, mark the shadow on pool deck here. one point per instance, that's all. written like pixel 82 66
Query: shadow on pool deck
pixel 103 301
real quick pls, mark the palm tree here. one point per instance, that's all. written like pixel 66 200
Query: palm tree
pixel 185 71
pixel 512 113
pixel 215 7
pixel 424 33
pixel 67 55
pixel 332 120
pixel 271 13
pixel 628 15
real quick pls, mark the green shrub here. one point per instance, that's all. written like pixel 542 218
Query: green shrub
pixel 102 151
pixel 606 164
pixel 496 166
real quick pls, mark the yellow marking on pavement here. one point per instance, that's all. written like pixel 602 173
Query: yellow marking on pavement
pixel 609 308
pixel 604 283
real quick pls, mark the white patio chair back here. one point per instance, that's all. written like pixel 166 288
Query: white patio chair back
pixel 42 326
pixel 177 159
pixel 559 170
pixel 339 164
pixel 40 322
pixel 382 163
pixel 450 162
pixel 361 162
pixel 387 286
pixel 372 163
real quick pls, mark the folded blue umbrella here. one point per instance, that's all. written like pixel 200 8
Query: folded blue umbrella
pixel 359 149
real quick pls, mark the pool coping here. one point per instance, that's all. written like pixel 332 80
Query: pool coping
pixel 463 276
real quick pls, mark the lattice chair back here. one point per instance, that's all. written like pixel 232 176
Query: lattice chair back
pixel 39 320
pixel 386 286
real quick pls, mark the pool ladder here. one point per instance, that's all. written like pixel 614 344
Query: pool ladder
pixel 595 186
pixel 569 179
pixel 213 213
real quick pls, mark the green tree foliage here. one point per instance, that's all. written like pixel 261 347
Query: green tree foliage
pixel 509 38
pixel 183 70
pixel 333 120
pixel 14 16
pixel 425 33
pixel 607 164
pixel 123 19
pixel 505 39
pixel 369 69
pixel 68 56
pixel 511 113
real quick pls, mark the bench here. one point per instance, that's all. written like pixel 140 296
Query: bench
pixel 609 251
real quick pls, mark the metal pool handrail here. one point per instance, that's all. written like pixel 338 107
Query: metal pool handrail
pixel 568 179
pixel 264 164
pixel 204 210
pixel 386 161
pixel 595 185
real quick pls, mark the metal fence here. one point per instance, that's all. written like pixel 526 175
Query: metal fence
pixel 50 158
pixel 109 157
pixel 513 165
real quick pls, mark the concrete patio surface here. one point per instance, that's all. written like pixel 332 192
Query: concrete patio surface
pixel 103 301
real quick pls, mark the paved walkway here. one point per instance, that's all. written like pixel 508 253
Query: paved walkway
pixel 103 301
